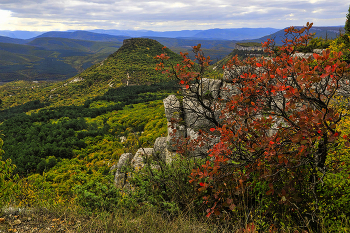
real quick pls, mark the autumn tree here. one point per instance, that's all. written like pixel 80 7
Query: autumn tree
pixel 276 131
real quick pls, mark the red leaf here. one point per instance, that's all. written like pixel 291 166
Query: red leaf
pixel 212 129
pixel 182 82
pixel 270 191
pixel 187 86
pixel 201 184
pixel 258 65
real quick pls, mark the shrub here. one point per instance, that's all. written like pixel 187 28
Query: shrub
pixel 275 133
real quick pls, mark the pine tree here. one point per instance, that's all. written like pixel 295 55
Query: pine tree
pixel 347 22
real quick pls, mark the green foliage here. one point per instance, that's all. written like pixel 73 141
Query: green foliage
pixel 30 140
pixel 166 186
pixel 7 179
pixel 315 43
pixel 242 54
pixel 347 22
pixel 342 44
pixel 249 44
pixel 98 193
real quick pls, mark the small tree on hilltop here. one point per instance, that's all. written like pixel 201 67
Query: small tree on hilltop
pixel 275 133
pixel 347 22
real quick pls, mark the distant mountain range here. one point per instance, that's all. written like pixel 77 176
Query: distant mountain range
pixel 63 54
pixel 217 34
pixel 211 34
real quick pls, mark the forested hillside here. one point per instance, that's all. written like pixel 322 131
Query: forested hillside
pixel 58 121
pixel 60 140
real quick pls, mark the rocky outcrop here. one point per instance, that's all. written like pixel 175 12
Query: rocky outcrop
pixel 190 114
pixel 185 117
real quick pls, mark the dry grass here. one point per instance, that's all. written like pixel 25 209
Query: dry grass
pixel 68 219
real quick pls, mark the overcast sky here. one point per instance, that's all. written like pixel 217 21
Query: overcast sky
pixel 167 15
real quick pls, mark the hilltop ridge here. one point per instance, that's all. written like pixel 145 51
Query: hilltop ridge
pixel 132 63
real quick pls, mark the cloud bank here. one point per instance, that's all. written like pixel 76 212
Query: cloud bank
pixel 167 15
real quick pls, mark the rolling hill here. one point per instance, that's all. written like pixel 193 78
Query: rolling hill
pixel 51 58
pixel 324 32
pixel 5 39
pixel 84 35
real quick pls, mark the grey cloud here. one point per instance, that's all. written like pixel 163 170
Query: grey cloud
pixel 110 13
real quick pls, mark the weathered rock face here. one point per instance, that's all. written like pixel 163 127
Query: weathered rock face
pixel 196 116
pixel 184 118
pixel 142 154
pixel 173 111
pixel 172 108
pixel 120 177
pixel 161 151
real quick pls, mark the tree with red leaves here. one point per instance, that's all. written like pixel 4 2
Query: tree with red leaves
pixel 275 132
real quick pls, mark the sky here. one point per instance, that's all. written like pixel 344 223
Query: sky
pixel 167 15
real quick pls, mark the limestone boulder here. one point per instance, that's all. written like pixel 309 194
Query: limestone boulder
pixel 209 88
pixel 120 177
pixel 160 147
pixel 304 55
pixel 196 116
pixel 172 107
pixel 141 155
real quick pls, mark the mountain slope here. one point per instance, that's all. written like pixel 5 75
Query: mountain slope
pixel 55 43
pixel 51 58
pixel 134 59
pixel 84 35
pixel 20 34
pixel 324 32
pixel 5 39
pixel 235 33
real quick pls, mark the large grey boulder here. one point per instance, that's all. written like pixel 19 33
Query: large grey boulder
pixel 172 108
pixel 303 55
pixel 120 177
pixel 160 147
pixel 142 154
pixel 174 113
pixel 208 88
pixel 160 150
pixel 196 116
